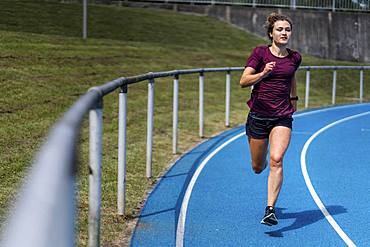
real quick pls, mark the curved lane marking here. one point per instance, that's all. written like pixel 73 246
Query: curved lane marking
pixel 184 206
pixel 309 185
pixel 180 230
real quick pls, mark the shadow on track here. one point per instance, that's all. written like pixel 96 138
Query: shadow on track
pixel 303 218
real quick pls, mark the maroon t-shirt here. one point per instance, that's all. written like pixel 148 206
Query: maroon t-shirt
pixel 271 96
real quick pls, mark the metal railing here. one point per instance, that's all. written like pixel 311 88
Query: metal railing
pixel 334 84
pixel 45 212
pixel 333 5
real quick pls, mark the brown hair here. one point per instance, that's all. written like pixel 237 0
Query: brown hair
pixel 271 19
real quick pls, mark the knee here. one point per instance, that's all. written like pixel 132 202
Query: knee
pixel 258 168
pixel 276 161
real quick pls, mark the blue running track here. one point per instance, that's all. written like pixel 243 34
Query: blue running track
pixel 211 197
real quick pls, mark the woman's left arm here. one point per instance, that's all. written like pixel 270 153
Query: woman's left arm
pixel 293 93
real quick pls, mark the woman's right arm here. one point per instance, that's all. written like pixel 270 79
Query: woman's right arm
pixel 249 76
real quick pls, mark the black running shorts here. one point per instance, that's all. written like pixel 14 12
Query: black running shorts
pixel 259 127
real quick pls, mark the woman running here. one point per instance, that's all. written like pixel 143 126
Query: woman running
pixel 271 71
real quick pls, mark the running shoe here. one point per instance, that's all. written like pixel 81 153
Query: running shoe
pixel 269 218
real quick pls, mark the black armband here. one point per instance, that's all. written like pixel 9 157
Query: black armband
pixel 294 98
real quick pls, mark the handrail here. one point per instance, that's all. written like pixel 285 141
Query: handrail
pixel 339 67
pixel 44 213
pixel 333 5
pixel 334 87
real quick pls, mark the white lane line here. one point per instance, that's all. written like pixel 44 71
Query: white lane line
pixel 184 206
pixel 310 187
pixel 180 230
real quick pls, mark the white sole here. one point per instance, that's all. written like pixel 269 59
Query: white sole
pixel 268 223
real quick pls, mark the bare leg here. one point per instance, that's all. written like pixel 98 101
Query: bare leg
pixel 279 142
pixel 258 149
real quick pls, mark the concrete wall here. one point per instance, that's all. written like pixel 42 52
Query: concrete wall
pixel 326 34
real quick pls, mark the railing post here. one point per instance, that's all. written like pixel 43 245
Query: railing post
pixel 333 7
pixel 334 86
pixel 175 113
pixel 149 142
pixel 122 150
pixel 96 134
pixel 306 99
pixel 84 22
pixel 293 4
pixel 361 85
pixel 227 103
pixel 201 104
